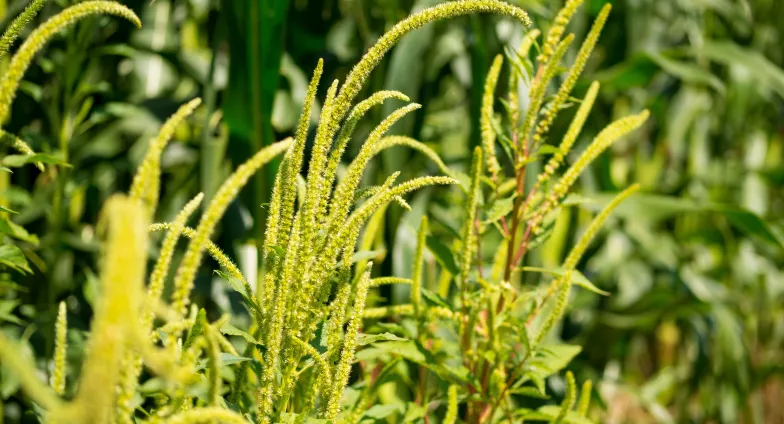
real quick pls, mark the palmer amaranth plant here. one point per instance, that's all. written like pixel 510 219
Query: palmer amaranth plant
pixel 294 362
pixel 481 333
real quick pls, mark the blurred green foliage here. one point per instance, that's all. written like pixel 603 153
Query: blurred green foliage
pixel 693 330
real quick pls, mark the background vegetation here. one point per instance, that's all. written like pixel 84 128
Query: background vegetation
pixel 693 330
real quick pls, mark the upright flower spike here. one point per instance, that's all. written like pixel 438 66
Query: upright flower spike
pixel 316 184
pixel 146 182
pixel 21 60
pixel 186 273
pixel 349 347
pixel 213 250
pixel 132 364
pixel 562 286
pixel 276 330
pixel 568 402
pixel 334 326
pixel 122 282
pixel 18 24
pixel 295 161
pixel 60 350
pixel 574 73
pixel 486 118
pixel 318 275
pixel 539 89
pixel 579 249
pixel 317 280
pixel 361 71
pixel 557 29
pixel 451 409
pixel 513 97
pixel 585 398
pixel 161 269
pixel 575 128
pixel 602 142
pixel 469 236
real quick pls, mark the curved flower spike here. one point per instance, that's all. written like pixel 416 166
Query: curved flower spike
pixel 12 33
pixel 146 182
pixel 21 60
pixel 186 273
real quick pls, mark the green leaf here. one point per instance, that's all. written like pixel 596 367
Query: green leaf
pixel 443 255
pixel 6 311
pixel 551 412
pixel 366 339
pixel 12 257
pixel 548 149
pixel 413 352
pixel 231 330
pixel 435 299
pixel 366 255
pixel 16 161
pixel 655 208
pixel 499 209
pixel 380 412
pixel 529 391
pixel 554 358
pixel 577 278
pixel 16 231
pixel 233 282
pixel 687 71
pixel 225 360
pixel 764 71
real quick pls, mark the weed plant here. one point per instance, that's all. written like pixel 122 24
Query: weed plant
pixel 479 340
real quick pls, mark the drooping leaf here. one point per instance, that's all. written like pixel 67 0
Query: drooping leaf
pixel 443 255
pixel 13 257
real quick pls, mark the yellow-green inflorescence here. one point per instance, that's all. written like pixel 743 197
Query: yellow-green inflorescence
pixel 17 25
pixel 486 119
pixel 21 60
pixel 60 351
